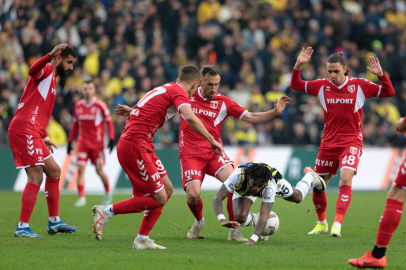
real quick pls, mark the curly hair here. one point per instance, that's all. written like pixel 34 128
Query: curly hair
pixel 259 172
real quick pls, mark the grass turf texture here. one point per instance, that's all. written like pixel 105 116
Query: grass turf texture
pixel 289 248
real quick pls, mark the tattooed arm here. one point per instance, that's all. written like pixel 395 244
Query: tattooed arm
pixel 218 208
pixel 263 217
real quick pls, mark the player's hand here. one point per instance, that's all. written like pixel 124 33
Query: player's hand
pixel 281 104
pixel 250 242
pixel 229 224
pixel 305 56
pixel 111 145
pixel 57 50
pixel 375 68
pixel 216 147
pixel 69 148
pixel 123 110
pixel 401 126
pixel 50 145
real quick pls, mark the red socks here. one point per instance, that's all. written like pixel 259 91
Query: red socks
pixel 135 205
pixel 343 201
pixel 149 220
pixel 107 187
pixel 389 222
pixel 197 210
pixel 320 204
pixel 230 206
pixel 81 190
pixel 28 201
pixel 52 195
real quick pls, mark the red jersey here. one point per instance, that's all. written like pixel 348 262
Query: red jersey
pixel 37 101
pixel 151 112
pixel 342 105
pixel 212 112
pixel 89 118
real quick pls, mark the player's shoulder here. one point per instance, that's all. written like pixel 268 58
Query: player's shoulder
pixel 100 103
pixel 360 81
pixel 321 81
pixel 80 103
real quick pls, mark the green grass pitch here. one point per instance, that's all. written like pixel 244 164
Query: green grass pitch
pixel 289 248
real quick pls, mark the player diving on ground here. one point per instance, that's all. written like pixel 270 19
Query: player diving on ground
pixel 258 180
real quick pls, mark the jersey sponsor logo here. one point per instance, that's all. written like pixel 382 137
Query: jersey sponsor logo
pixel 86 117
pixel 190 173
pixel 204 112
pixel 38 151
pixel 214 104
pixel 351 88
pixel 326 163
pixel 155 176
pixel 20 105
pixel 34 115
pixel 340 100
pixel 82 155
pixel 181 141
pixel 353 150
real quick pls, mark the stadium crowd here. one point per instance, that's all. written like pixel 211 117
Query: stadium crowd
pixel 132 46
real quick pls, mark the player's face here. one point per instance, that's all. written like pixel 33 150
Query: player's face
pixel 255 185
pixel 336 72
pixel 210 85
pixel 65 66
pixel 89 90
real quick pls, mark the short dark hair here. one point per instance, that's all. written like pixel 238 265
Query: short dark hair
pixel 258 171
pixel 189 74
pixel 68 51
pixel 338 58
pixel 87 81
pixel 211 70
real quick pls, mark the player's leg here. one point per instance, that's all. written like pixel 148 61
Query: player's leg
pixel 241 208
pixel 193 170
pixel 152 216
pixel 388 224
pixel 326 166
pixel 81 186
pixel 53 172
pixel 223 173
pixel 28 200
pixel 349 159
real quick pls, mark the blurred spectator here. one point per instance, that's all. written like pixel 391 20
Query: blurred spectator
pixel 56 132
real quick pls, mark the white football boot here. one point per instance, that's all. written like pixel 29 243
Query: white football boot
pixel 317 182
pixel 80 202
pixel 195 230
pixel 100 219
pixel 236 235
pixel 146 244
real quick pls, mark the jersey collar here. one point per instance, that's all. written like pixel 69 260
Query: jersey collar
pixel 342 85
pixel 90 103
pixel 200 94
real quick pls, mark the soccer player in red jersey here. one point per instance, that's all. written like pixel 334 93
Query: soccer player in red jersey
pixel 89 116
pixel 391 216
pixel 196 157
pixel 29 140
pixel 151 186
pixel 342 98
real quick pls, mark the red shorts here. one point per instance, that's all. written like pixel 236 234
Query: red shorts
pixel 84 152
pixel 400 180
pixel 28 149
pixel 142 166
pixel 194 168
pixel 328 160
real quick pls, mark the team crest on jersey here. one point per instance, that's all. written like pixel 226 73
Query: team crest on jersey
pixel 214 104
pixel 353 150
pixel 351 88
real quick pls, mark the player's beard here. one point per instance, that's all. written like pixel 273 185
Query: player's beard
pixel 60 69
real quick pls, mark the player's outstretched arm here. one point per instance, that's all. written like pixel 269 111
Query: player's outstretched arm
pixel 296 82
pixel 35 70
pixel 401 125
pixel 218 208
pixel 303 58
pixel 197 125
pixel 260 117
pixel 123 110
pixel 266 208
pixel 376 69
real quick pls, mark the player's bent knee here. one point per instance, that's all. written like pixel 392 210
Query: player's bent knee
pixel 193 198
pixel 240 218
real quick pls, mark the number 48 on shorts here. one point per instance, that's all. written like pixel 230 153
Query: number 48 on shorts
pixel 328 160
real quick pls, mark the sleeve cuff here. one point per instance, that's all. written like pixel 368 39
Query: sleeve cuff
pixel 242 115
pixel 182 105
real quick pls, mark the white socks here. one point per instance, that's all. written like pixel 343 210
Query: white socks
pixel 338 225
pixel 200 222
pixel 54 219
pixel 249 220
pixel 324 222
pixel 109 210
pixel 305 184
pixel 142 237
pixel 23 225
